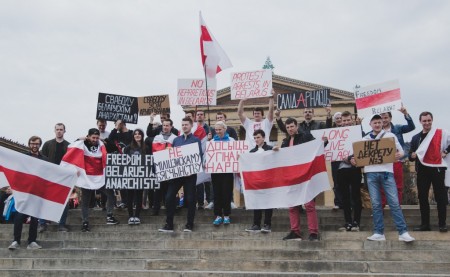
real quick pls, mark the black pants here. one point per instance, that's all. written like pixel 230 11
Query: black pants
pixel 223 190
pixel 173 186
pixel 202 189
pixel 349 180
pixel 257 217
pixel 338 201
pixel 160 195
pixel 134 196
pixel 425 177
pixel 18 224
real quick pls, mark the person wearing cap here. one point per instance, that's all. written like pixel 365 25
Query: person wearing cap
pixel 92 144
pixel 382 176
pixel 397 130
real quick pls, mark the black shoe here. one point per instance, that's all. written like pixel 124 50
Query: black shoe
pixel 166 229
pixel 313 237
pixel 110 220
pixel 255 228
pixel 346 227
pixel 443 229
pixel 266 229
pixel 355 227
pixel 188 228
pixel 85 227
pixel 422 228
pixel 292 236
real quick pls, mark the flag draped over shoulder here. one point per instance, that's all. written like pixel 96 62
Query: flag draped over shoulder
pixel 214 59
pixel 430 150
pixel 90 165
pixel 40 189
pixel 289 177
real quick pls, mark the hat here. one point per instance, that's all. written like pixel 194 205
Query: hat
pixel 375 116
pixel 93 131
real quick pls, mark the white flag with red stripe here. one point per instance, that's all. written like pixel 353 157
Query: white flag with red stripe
pixel 286 178
pixel 214 58
pixel 40 189
pixel 89 164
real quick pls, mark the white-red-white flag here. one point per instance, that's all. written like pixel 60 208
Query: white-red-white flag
pixel 199 132
pixel 90 164
pixel 214 59
pixel 40 189
pixel 286 178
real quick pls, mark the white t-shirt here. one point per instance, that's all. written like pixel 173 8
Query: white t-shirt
pixel 251 126
pixel 104 135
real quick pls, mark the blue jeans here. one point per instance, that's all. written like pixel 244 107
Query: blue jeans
pixel 376 180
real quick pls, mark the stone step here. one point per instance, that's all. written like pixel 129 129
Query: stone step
pixel 167 273
pixel 230 254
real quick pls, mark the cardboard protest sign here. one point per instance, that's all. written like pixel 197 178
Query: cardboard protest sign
pixel 192 92
pixel 158 104
pixel 251 84
pixel 303 99
pixel 177 162
pixel 371 152
pixel 378 98
pixel 340 141
pixel 130 172
pixel 222 156
pixel 112 107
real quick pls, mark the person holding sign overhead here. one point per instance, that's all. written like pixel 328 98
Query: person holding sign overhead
pixel 222 183
pixel 258 123
pixel 382 175
pixel 187 182
pixel 429 148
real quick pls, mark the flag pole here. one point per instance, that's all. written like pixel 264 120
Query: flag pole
pixel 207 98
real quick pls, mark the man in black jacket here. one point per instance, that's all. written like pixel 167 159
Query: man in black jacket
pixel 153 132
pixel 261 146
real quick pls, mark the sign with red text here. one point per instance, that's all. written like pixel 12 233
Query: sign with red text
pixel 222 156
pixel 377 99
pixel 177 162
pixel 158 104
pixel 192 92
pixel 340 141
pixel 251 84
pixel 304 99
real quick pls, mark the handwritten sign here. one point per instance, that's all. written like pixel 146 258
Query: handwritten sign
pixel 177 162
pixel 372 152
pixel 130 172
pixel 251 84
pixel 378 98
pixel 340 141
pixel 112 107
pixel 303 99
pixel 192 92
pixel 158 104
pixel 222 156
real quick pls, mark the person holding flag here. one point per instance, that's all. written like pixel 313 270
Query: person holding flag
pixel 429 149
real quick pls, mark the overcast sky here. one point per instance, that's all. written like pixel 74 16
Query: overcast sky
pixel 55 56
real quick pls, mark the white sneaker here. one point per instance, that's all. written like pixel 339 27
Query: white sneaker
pixel 131 221
pixel 137 221
pixel 210 205
pixel 406 237
pixel 376 237
pixel 233 206
pixel 14 245
pixel 34 245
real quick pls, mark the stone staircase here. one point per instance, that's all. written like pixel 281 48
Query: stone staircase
pixel 123 250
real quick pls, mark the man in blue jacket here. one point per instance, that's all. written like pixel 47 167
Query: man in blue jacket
pixel 398 130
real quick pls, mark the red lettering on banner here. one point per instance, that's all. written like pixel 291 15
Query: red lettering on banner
pixel 175 152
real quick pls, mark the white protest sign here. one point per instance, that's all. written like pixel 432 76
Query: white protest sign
pixel 378 98
pixel 340 141
pixel 251 84
pixel 222 156
pixel 192 92
pixel 177 162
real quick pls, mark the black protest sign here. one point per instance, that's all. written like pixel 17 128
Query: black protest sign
pixel 130 172
pixel 112 107
pixel 158 104
pixel 303 99
pixel 372 152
